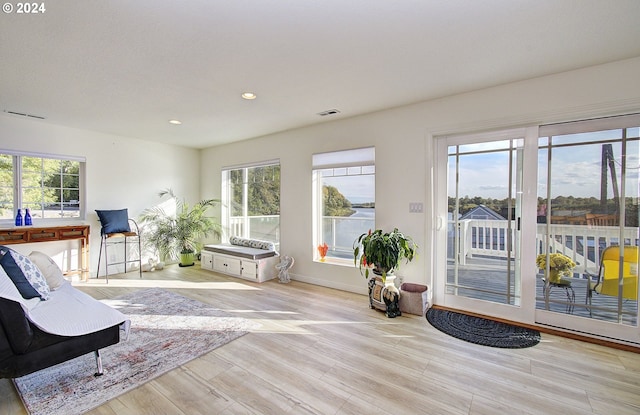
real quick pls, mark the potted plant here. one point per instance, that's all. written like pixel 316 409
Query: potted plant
pixel 559 265
pixel 383 250
pixel 178 234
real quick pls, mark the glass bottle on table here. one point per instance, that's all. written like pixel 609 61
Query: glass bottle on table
pixel 27 218
pixel 19 218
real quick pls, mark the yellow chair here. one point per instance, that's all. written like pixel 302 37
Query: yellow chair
pixel 608 281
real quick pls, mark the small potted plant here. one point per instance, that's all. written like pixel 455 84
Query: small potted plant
pixel 384 251
pixel 178 235
pixel 559 265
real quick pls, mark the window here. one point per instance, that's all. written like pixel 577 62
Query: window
pixel 49 186
pixel 344 200
pixel 251 201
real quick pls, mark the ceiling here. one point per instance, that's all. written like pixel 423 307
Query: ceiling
pixel 127 67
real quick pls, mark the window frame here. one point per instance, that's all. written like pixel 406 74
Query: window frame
pixel 18 189
pixel 346 160
pixel 227 208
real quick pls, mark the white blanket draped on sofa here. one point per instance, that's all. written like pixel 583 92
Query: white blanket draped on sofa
pixel 68 311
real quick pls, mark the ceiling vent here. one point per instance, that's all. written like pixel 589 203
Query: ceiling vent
pixel 22 114
pixel 328 112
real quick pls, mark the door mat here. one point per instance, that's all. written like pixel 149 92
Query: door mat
pixel 482 331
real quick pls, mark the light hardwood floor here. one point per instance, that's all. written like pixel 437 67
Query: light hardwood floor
pixel 323 351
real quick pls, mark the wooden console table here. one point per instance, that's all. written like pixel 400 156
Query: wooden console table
pixel 33 234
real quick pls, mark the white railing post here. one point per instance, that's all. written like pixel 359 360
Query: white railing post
pixel 465 241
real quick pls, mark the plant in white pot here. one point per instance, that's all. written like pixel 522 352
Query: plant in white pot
pixel 178 235
pixel 383 250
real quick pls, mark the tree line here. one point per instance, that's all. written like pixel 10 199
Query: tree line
pixel 563 205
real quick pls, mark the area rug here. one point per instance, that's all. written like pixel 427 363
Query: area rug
pixel 481 330
pixel 167 330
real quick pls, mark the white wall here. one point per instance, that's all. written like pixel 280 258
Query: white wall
pixel 403 138
pixel 121 172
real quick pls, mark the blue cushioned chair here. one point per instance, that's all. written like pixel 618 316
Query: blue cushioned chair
pixel 119 229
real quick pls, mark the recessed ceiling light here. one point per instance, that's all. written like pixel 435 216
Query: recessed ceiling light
pixel 175 122
pixel 249 95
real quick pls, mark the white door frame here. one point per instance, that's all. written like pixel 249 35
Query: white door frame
pixel 524 312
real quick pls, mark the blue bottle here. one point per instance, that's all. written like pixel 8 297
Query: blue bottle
pixel 19 218
pixel 27 218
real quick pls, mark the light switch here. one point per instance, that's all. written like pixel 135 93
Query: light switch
pixel 416 207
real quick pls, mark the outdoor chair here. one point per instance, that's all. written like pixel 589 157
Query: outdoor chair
pixel 607 280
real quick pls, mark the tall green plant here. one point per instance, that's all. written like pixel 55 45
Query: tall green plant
pixel 383 250
pixel 179 233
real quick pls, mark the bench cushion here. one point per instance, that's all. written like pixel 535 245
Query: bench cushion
pixel 240 251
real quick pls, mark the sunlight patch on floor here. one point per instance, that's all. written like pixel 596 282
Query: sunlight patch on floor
pixel 260 311
pixel 145 283
pixel 272 326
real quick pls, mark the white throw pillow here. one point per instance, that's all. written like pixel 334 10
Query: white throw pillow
pixel 52 273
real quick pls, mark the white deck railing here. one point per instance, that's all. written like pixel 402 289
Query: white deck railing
pixel 477 238
pixel 265 227
pixel 582 243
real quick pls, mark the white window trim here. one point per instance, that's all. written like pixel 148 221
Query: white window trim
pixel 225 194
pixel 360 157
pixel 18 196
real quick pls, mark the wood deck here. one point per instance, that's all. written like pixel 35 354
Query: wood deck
pixel 487 280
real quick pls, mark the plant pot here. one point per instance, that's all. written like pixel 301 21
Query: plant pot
pixel 384 296
pixel 186 260
pixel 390 283
pixel 554 276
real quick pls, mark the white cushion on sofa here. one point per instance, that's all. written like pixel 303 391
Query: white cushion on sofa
pixel 82 313
pixel 52 273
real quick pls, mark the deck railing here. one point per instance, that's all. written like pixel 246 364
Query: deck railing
pixel 582 243
pixel 477 238
pixel 340 232
pixel 265 228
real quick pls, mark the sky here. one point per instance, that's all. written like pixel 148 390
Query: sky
pixel 357 189
pixel 575 171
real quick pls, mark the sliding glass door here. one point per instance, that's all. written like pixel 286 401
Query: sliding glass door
pixel 481 230
pixel 512 205
pixel 588 212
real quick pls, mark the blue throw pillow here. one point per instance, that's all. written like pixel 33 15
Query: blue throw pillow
pixel 14 272
pixel 114 221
